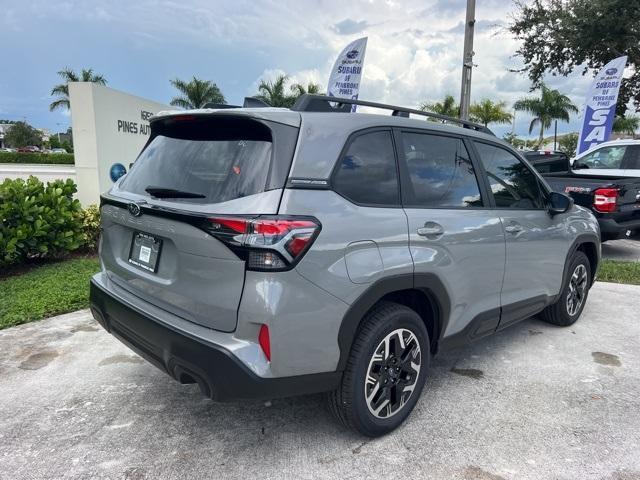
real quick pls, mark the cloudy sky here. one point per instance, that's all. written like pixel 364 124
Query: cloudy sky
pixel 414 50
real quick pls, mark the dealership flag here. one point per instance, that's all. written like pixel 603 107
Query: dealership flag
pixel 600 107
pixel 344 80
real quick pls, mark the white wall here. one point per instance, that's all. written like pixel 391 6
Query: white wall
pixel 46 173
pixel 109 127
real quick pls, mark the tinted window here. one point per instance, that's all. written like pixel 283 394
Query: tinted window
pixel 606 157
pixel 198 157
pixel 440 171
pixel 633 157
pixel 512 183
pixel 367 172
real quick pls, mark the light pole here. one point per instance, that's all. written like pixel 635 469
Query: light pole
pixel 467 60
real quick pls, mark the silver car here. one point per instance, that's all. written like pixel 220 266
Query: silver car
pixel 264 252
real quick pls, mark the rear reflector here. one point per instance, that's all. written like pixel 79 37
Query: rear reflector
pixel 264 341
pixel 267 243
pixel 604 199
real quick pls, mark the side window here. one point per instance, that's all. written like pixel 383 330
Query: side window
pixel 367 173
pixel 606 157
pixel 440 172
pixel 633 157
pixel 512 183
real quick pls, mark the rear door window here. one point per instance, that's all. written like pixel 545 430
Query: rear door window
pixel 367 174
pixel 216 159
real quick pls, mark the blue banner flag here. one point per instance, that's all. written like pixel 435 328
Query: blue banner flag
pixel 600 106
pixel 344 80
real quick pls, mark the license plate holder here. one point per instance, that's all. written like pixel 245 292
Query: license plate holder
pixel 145 251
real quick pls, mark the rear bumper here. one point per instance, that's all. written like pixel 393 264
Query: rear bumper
pixel 220 374
pixel 612 227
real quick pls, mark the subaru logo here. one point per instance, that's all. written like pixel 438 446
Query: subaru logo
pixel 352 54
pixel 117 170
pixel 611 71
pixel 134 209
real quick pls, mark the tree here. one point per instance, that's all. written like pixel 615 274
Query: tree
pixel 21 134
pixel 568 144
pixel 551 105
pixel 196 93
pixel 487 112
pixel 514 140
pixel 68 75
pixel 559 36
pixel 274 92
pixel 627 125
pixel 300 89
pixel 447 107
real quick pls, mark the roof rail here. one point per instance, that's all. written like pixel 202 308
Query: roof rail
pixel 322 103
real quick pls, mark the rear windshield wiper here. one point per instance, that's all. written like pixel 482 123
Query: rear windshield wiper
pixel 163 192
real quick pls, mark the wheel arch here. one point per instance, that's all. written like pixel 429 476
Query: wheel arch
pixel 589 245
pixel 423 293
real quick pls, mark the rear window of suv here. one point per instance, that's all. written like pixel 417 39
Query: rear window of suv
pixel 218 159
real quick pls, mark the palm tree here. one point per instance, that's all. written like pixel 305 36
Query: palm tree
pixel 196 93
pixel 447 107
pixel 487 112
pixel 68 75
pixel 551 105
pixel 274 92
pixel 300 89
pixel 627 125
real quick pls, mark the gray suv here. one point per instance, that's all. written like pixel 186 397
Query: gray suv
pixel 263 252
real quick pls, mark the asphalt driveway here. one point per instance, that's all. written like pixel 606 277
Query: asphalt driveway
pixel 532 402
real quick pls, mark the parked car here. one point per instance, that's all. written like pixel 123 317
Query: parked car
pixel 613 195
pixel 619 158
pixel 267 252
pixel 58 150
pixel 29 149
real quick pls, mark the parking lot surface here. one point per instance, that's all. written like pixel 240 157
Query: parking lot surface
pixel 627 249
pixel 532 402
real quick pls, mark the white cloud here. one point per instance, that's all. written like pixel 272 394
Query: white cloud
pixel 414 52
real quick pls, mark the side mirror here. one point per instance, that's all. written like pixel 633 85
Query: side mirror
pixel 559 203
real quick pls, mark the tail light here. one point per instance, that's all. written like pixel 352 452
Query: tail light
pixel 605 199
pixel 266 243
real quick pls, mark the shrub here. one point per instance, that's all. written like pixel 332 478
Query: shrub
pixel 50 158
pixel 91 226
pixel 38 221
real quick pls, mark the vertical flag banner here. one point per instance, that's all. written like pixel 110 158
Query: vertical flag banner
pixel 600 106
pixel 344 80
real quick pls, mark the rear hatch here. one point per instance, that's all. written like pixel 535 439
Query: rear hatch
pixel 155 243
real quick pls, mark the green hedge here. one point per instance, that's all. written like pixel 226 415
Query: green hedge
pixel 47 158
pixel 39 221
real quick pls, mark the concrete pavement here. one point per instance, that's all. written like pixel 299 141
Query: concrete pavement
pixel 532 402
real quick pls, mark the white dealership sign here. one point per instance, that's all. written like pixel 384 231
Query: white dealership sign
pixel 109 130
pixel 346 74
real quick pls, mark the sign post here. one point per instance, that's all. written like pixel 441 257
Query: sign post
pixel 600 105
pixel 346 74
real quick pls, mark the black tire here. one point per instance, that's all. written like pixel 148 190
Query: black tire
pixel 349 402
pixel 560 312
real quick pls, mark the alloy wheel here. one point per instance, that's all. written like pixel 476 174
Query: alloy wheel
pixel 577 290
pixel 393 373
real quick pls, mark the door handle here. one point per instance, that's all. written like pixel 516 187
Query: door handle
pixel 513 228
pixel 430 229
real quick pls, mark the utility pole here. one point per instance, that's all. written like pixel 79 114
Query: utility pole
pixel 467 60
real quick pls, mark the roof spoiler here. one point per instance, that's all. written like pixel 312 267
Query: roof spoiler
pixel 249 102
pixel 324 103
